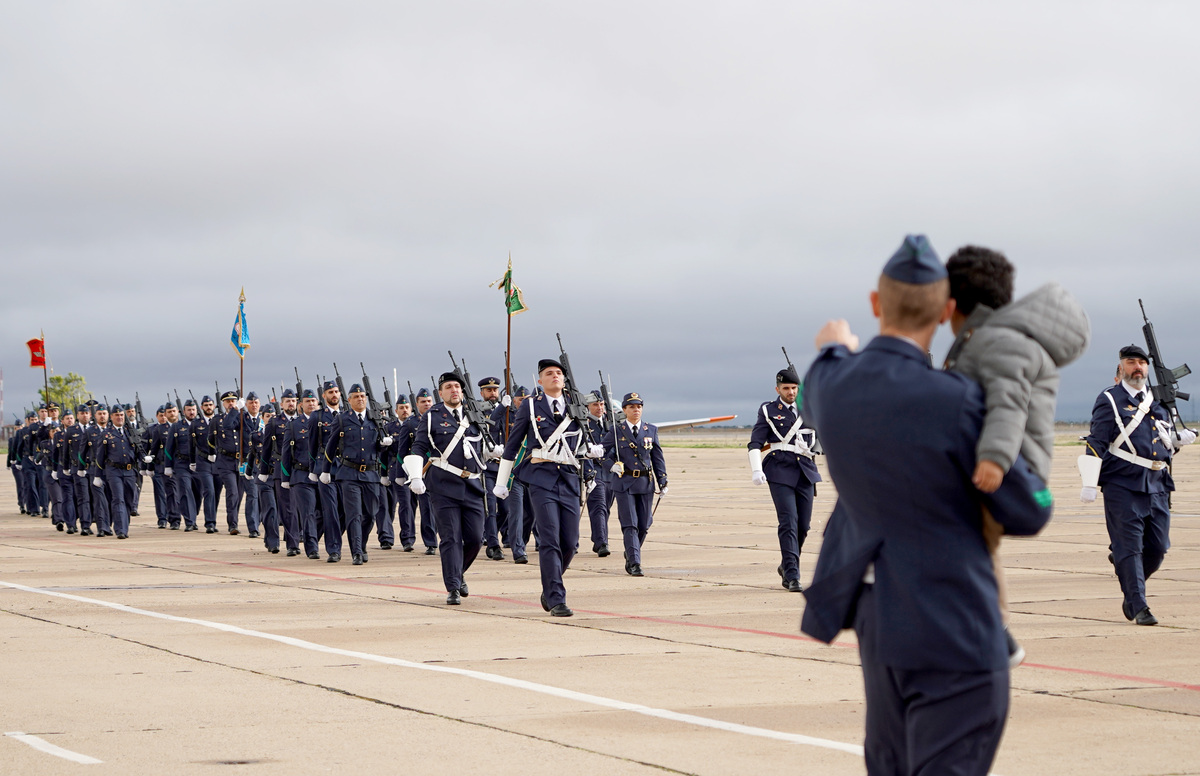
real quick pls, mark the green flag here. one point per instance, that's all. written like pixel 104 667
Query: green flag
pixel 514 300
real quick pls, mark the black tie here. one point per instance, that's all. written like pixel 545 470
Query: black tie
pixel 456 417
pixel 557 413
pixel 1137 399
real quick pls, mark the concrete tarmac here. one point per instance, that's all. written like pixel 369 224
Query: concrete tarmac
pixel 193 653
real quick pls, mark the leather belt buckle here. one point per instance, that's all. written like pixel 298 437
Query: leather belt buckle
pixel 635 473
pixel 464 474
pixel 364 467
pixel 128 467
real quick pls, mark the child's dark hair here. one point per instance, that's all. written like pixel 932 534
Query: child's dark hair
pixel 980 276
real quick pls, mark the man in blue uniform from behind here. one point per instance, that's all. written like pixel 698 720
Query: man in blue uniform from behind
pixel 903 560
pixel 781 457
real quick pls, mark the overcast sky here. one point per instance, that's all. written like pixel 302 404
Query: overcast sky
pixel 684 187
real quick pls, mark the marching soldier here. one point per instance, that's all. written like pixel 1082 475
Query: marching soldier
pixel 404 498
pixel 554 440
pixel 259 482
pixel 489 394
pixel 203 428
pixel 155 457
pixel 781 457
pixel 1133 438
pixel 454 471
pixel 115 462
pixel 100 498
pixel 298 466
pixel 408 437
pixel 232 439
pixel 352 453
pixel 600 494
pixel 250 489
pixel 518 515
pixel 635 457
pixel 327 492
pixel 132 428
pixel 273 475
pixel 62 473
pixel 180 462
pixel 76 451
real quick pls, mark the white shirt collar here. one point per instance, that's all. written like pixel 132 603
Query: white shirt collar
pixel 1133 392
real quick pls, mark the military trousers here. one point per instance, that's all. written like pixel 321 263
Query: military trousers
pixel 1139 526
pixel 286 509
pixel 556 515
pixel 634 512
pixel 460 533
pixel 359 500
pixel 599 504
pixel 185 500
pixel 123 487
pixel 304 504
pixel 793 511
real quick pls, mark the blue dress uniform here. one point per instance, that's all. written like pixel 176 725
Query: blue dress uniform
pixel 491 521
pixel 401 497
pixel 9 460
pixel 23 442
pixel 273 444
pixel 904 560
pixel 76 451
pixel 638 451
pixel 408 437
pixel 64 480
pixel 1136 483
pixel 265 511
pixel 178 458
pixel 298 463
pixel 164 490
pixel 206 455
pixel 117 460
pixel 601 495
pixel 518 513
pixel 781 452
pixel 328 500
pixel 352 461
pixel 101 512
pixel 552 476
pixel 235 428
pixel 452 451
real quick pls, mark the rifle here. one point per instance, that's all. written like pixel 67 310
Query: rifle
pixel 220 404
pixel 1166 381
pixel 387 399
pixel 472 410
pixel 143 429
pixel 374 414
pixel 192 396
pixel 412 397
pixel 299 384
pixel 576 409
pixel 178 403
pixel 341 385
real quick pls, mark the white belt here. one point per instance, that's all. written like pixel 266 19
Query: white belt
pixel 558 456
pixel 791 448
pixel 457 472
pixel 1125 455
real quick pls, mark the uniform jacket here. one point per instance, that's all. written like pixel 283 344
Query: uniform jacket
pixel 177 448
pixel 1103 432
pixel 115 450
pixel 273 441
pixel 536 411
pixel 640 453
pixel 95 437
pixel 434 435
pixel 597 429
pixel 900 439
pixel 352 449
pixel 299 451
pixel 76 442
pixel 202 441
pixel 1015 354
pixel 782 466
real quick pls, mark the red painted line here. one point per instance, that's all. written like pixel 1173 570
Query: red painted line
pixel 615 615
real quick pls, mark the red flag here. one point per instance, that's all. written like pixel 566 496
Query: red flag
pixel 37 353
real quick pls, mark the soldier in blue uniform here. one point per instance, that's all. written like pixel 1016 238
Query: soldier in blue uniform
pixel 131 430
pixel 903 559
pixel 404 499
pixel 518 514
pixel 62 473
pixel 352 454
pixel 447 456
pixel 101 510
pixel 781 456
pixel 1132 438
pixel 298 467
pixel 232 441
pixel 154 458
pixel 489 399
pixel 274 440
pixel 180 463
pixel 408 437
pixel 76 451
pixel 555 443
pixel 206 456
pixel 250 484
pixel 23 443
pixel 635 458
pixel 328 501
pixel 115 462
pixel 600 494
pixel 266 505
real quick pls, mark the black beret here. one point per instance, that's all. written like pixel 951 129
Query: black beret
pixel 1134 351
pixel 449 377
pixel 787 376
pixel 546 363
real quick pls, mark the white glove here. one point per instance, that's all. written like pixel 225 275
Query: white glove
pixel 663 492
pixel 81 473
pixel 413 466
pixel 169 471
pixel 54 475
pixel 385 482
pixel 506 401
pixel 144 472
pixel 500 491
pixel 325 478
pixel 1164 434
pixel 387 440
pixel 312 477
pixel 1186 437
pixel 1087 495
pixel 417 485
pixel 285 485
pixel 99 483
pixel 191 467
pixel 758 478
pixel 240 404
pixel 617 468
pixel 756 472
pixel 591 485
pixel 493 453
pixel 262 478
pixel 148 459
pixel 595 451
pixel 212 459
pixel 17 466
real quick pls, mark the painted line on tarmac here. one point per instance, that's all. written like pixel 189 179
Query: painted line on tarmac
pixel 520 684
pixel 49 748
pixel 617 615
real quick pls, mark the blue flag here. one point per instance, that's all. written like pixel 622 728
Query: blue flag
pixel 240 339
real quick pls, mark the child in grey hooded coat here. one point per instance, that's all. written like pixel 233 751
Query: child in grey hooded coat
pixel 1014 350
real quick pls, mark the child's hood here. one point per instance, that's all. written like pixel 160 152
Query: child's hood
pixel 1053 318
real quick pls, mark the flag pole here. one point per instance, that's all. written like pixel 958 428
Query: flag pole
pixel 508 356
pixel 241 385
pixel 45 374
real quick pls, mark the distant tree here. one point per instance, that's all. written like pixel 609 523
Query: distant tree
pixel 68 391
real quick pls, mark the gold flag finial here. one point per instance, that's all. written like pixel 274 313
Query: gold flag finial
pixel 242 296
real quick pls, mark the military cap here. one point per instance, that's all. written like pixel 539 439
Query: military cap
pixel 83 408
pixel 288 393
pixel 190 403
pixel 252 396
pixel 423 393
pixel 31 414
pixel 52 405
pixel 356 388
pixel 91 402
pixel 328 385
pixel 1134 351
pixel 787 376
pixel 631 398
pixel 42 407
pixel 99 408
pixel 449 377
pixel 915 262
pixel 269 409
pixel 67 412
pixel 489 382
pixel 308 393
pixel 520 392
pixel 402 399
pixel 206 399
pixel 591 398
pixel 546 363
pixel 227 396
pixel 168 406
